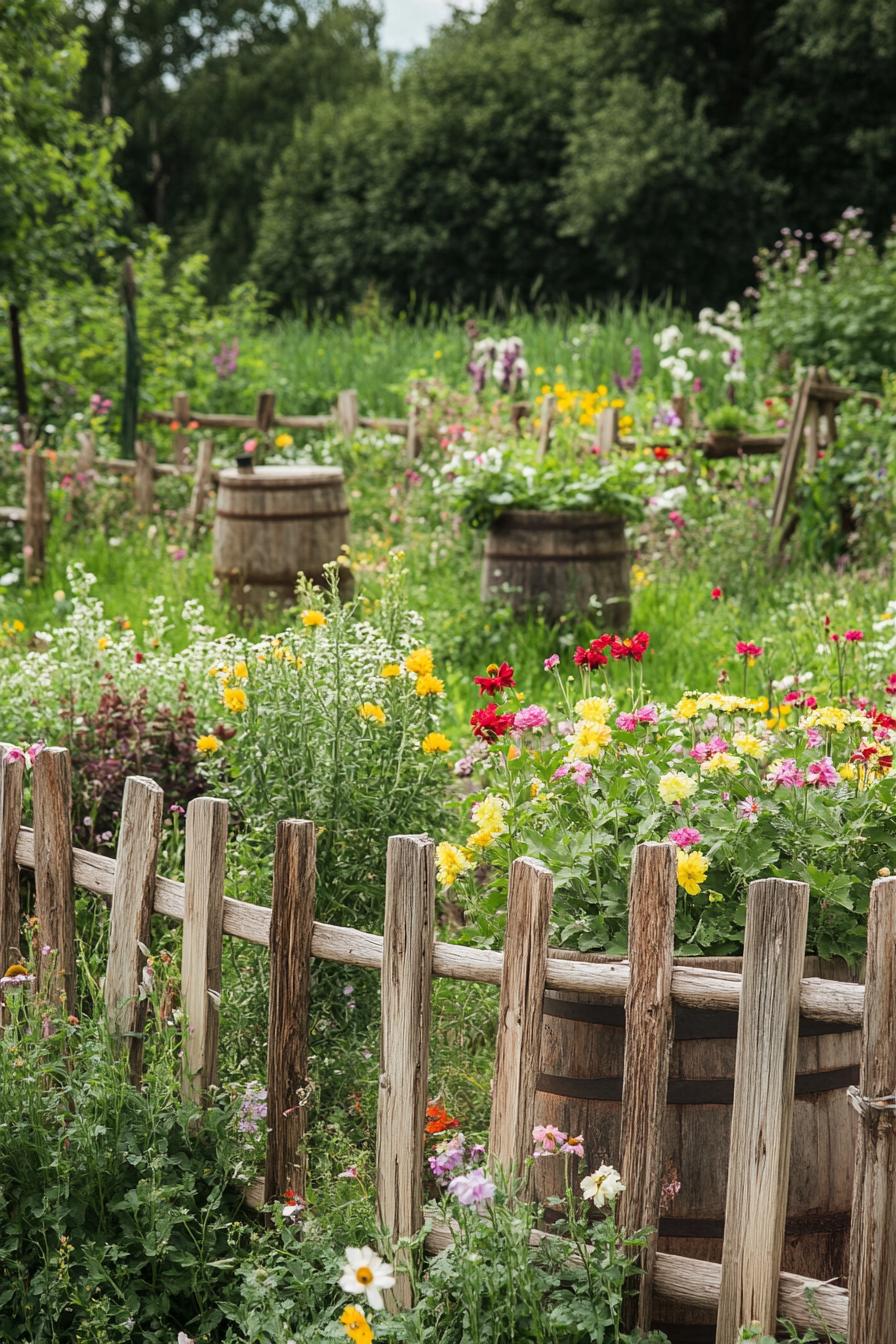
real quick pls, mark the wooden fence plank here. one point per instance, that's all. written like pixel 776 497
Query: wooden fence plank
pixel 292 924
pixel 264 411
pixel 546 424
pixel 144 477
pixel 530 895
pixel 653 890
pixel 35 535
pixel 607 429
pixel 206 840
pixel 12 773
pixel 53 879
pixel 201 484
pixel 131 915
pixel 790 454
pixel 347 412
pixel 180 445
pixel 404 1041
pixel 765 1070
pixel 872 1248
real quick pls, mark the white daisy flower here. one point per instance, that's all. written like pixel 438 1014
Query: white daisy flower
pixel 366 1274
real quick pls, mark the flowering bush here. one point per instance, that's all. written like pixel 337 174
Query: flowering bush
pixel 744 787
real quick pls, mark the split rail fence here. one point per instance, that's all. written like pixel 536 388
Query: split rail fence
pixel 769 995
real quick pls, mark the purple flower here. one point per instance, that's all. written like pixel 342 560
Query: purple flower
pixel 823 773
pixel 574 1145
pixel 472 1188
pixel 685 836
pixel 533 716
pixel 478 373
pixel 636 369
pixel 225 361
pixel 449 1157
pixel 813 737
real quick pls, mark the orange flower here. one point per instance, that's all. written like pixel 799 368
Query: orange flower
pixel 193 424
pixel 438 1119
pixel 175 425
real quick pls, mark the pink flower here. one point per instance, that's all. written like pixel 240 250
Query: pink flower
pixel 14 754
pixel 700 752
pixel 575 1146
pixel 250 445
pixel 627 723
pixel 787 773
pixel 685 836
pixel 472 1188
pixel 677 519
pixel 813 737
pixel 548 1139
pixel 551 662
pixel 647 714
pixel 34 751
pixel 350 1174
pixel 581 772
pixel 749 809
pixel 748 650
pixel 533 716
pixel 853 636
pixel 823 773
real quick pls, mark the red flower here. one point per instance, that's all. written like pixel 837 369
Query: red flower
pixel 881 720
pixel 496 679
pixel 890 688
pixel 633 647
pixel 747 650
pixel 661 453
pixel 853 636
pixel 594 655
pixel 716 594
pixel 489 724
pixel 438 1119
pixel 138 656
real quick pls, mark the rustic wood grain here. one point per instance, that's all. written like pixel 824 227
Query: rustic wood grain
pixel 292 923
pixel 53 878
pixel 12 775
pixel 530 895
pixel 201 484
pixel 144 476
pixel 652 895
pixel 759 1161
pixel 35 533
pixel 264 410
pixel 546 423
pixel 181 441
pixel 347 412
pixel 404 1042
pixel 131 914
pixel 607 429
pixel 790 454
pixel 206 840
pixel 872 1260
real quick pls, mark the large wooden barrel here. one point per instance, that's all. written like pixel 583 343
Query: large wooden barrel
pixel 558 561
pixel 273 523
pixel 580 1090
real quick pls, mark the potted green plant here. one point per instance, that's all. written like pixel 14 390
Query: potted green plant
pixel 726 426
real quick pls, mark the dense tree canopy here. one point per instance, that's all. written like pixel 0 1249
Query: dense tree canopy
pixel 560 147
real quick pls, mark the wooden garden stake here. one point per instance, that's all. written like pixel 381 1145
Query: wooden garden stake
pixel 404 1043
pixel 292 926
pixel 11 778
pixel 347 412
pixel 530 896
pixel 607 429
pixel 548 411
pixel 264 411
pixel 765 1070
pixel 133 894
pixel 35 539
pixel 144 480
pixel 180 446
pixel 206 840
pixel 201 483
pixel 86 459
pixel 872 1248
pixel 53 881
pixel 653 889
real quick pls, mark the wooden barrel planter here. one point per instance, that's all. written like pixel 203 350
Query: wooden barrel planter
pixel 557 562
pixel 580 1091
pixel 274 523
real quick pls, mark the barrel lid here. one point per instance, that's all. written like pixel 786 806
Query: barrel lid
pixel 306 472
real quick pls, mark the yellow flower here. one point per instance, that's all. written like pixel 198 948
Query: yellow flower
pixel 722 761
pixel 375 713
pixel 208 743
pixel 827 717
pixel 596 709
pixel 19 626
pixel 749 745
pixel 429 685
pixel 437 354
pixel 535 788
pixel 390 670
pixel 240 670
pixel 435 742
pixel 356 1325
pixel 676 786
pixel 589 739
pixel 451 863
pixel 284 441
pixel 617 403
pixel 686 708
pixel 103 642
pixel 235 699
pixel 489 817
pixel 692 870
pixel 640 577
pixel 420 662
pixel 312 618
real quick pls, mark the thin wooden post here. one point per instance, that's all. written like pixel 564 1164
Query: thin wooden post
pixel 12 774
pixel 347 412
pixel 872 1247
pixel 206 840
pixel 546 424
pixel 404 1042
pixel 181 442
pixel 652 894
pixel 53 883
pixel 201 483
pixel 607 429
pixel 264 411
pixel 292 926
pixel 144 479
pixel 761 1122
pixel 790 453
pixel 35 535
pixel 529 899
pixel 86 459
pixel 133 893
pixel 412 442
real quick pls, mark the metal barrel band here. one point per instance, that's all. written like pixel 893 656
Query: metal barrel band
pixel 282 517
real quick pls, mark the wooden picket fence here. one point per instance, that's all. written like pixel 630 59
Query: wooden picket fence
pixel 770 995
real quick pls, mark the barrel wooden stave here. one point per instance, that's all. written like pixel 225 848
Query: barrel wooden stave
pixel 697 1135
pixel 558 561
pixel 274 523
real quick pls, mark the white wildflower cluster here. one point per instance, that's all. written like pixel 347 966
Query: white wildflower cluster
pixel 502 360
pixel 681 361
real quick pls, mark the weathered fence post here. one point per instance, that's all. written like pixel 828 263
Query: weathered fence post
pixel 652 893
pixel 86 459
pixel 11 779
pixel 53 883
pixel 206 840
pixel 404 1042
pixel 347 417
pixel 201 483
pixel 35 534
pixel 761 1122
pixel 529 900
pixel 607 429
pixel 546 424
pixel 181 407
pixel 144 479
pixel 133 893
pixel 264 411
pixel 292 926
pixel 872 1248
pixel 412 443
